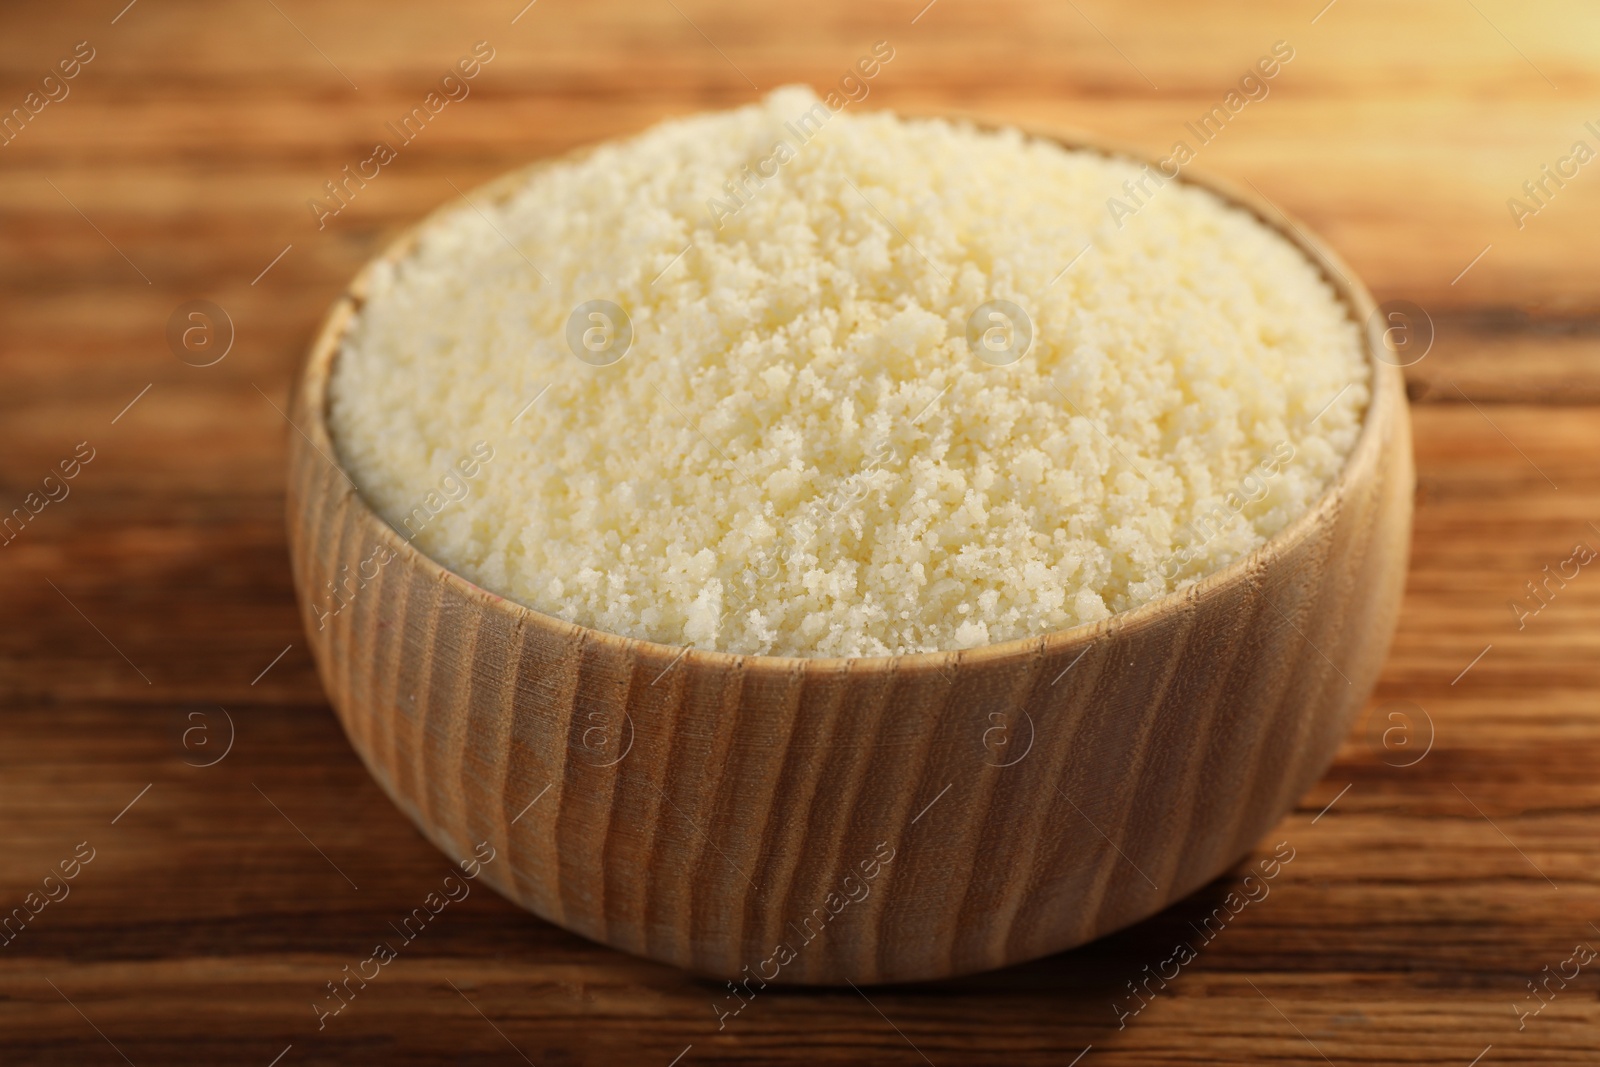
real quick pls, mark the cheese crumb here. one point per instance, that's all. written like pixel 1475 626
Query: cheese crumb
pixel 801 453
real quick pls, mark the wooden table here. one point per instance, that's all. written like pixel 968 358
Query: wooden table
pixel 1445 862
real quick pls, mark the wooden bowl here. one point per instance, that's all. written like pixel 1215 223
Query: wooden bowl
pixel 776 819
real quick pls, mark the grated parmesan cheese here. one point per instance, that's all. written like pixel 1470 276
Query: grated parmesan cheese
pixel 800 452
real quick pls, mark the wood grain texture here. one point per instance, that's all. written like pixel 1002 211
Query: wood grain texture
pixel 1417 908
pixel 761 818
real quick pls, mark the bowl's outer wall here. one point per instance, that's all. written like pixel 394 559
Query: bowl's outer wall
pixel 703 809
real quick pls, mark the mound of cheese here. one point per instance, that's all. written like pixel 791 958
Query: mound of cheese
pixel 819 439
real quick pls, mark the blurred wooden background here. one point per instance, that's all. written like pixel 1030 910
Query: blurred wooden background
pixel 1421 904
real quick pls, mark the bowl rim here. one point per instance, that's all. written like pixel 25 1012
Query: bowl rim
pixel 1386 390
